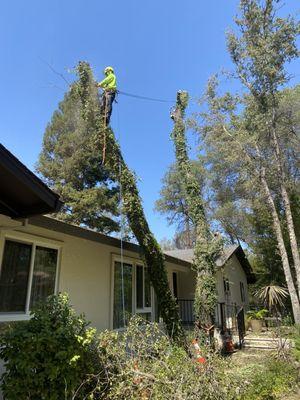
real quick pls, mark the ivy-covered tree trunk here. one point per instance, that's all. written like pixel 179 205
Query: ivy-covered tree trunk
pixel 132 205
pixel 207 246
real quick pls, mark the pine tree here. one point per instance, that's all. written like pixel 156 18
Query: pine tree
pixel 71 164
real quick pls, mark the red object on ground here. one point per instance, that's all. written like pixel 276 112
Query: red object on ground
pixel 199 358
pixel 229 346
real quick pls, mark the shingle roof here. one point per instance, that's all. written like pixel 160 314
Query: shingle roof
pixel 188 255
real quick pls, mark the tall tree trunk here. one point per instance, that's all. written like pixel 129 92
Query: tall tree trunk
pixel 276 226
pixel 282 249
pixel 132 204
pixel 286 200
pixel 206 246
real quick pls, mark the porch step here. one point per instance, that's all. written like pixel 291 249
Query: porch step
pixel 263 343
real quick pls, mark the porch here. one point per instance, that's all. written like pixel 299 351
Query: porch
pixel 228 317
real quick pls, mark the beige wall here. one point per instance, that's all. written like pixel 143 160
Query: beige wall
pixel 235 274
pixel 84 269
pixel 232 270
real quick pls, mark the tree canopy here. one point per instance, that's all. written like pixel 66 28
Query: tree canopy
pixel 71 164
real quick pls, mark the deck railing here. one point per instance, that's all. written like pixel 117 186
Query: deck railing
pixel 225 316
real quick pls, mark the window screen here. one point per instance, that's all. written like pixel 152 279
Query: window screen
pixel 44 273
pixel 122 309
pixel 14 276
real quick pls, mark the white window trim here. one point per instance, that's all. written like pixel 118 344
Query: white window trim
pixel 133 262
pixel 143 310
pixel 34 242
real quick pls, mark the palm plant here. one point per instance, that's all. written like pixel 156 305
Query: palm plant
pixel 273 296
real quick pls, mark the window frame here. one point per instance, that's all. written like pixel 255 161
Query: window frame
pixel 133 262
pixel 144 309
pixel 175 281
pixel 34 242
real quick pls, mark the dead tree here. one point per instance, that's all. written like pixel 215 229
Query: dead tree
pixel 132 204
pixel 207 245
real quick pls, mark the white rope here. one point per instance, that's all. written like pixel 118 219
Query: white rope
pixel 122 232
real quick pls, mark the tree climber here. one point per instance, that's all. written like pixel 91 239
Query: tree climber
pixel 109 86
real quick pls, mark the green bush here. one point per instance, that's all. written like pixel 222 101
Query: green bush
pixel 296 338
pixel 260 314
pixel 142 363
pixel 49 356
pixel 275 379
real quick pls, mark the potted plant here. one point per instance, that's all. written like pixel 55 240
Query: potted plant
pixel 256 319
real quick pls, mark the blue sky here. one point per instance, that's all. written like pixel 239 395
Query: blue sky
pixel 156 48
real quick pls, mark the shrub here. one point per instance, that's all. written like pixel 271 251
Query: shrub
pixel 142 363
pixel 48 356
pixel 260 314
pixel 296 337
pixel 274 379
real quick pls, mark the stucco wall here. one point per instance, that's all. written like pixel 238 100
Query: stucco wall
pixel 84 270
pixel 234 272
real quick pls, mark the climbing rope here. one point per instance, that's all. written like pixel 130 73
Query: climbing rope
pixel 104 139
pixel 122 229
pixel 121 244
pixel 144 97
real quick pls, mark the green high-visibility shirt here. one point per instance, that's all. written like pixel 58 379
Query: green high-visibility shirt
pixel 109 82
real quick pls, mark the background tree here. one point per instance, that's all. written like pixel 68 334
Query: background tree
pixel 261 50
pixel 243 131
pixel 243 216
pixel 173 204
pixel 71 164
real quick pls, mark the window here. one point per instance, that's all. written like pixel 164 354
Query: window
pixel 143 288
pixel 14 277
pixel 242 290
pixel 131 293
pixel 175 286
pixel 226 286
pixel 122 294
pixel 27 276
pixel 44 274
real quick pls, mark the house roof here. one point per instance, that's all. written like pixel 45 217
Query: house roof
pixel 88 234
pixel 22 193
pixel 228 252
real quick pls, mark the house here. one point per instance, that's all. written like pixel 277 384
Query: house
pixel 233 275
pixel 40 255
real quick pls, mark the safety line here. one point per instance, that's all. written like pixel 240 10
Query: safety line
pixel 144 97
pixel 122 228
